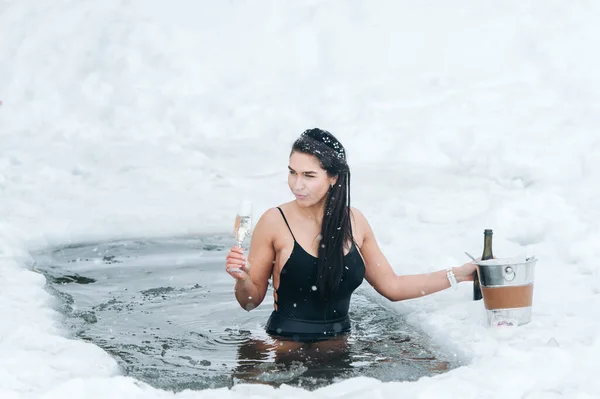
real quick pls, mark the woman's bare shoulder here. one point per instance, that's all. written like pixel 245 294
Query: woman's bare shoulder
pixel 273 215
pixel 269 215
pixel 287 206
pixel 357 216
pixel 360 225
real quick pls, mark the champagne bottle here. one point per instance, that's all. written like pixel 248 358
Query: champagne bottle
pixel 487 254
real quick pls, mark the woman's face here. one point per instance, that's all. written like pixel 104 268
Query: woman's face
pixel 307 180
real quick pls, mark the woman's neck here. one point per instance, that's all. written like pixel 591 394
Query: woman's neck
pixel 314 212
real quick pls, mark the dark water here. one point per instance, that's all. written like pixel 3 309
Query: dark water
pixel 165 310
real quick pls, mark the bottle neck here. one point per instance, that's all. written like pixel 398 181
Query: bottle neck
pixel 487 248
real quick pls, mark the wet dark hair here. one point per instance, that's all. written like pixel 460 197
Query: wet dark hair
pixel 336 229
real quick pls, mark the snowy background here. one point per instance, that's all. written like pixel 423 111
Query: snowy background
pixel 131 118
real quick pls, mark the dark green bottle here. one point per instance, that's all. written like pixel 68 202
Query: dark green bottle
pixel 487 254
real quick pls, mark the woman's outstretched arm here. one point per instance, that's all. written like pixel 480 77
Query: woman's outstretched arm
pixel 382 277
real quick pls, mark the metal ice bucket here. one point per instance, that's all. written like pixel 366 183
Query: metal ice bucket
pixel 507 288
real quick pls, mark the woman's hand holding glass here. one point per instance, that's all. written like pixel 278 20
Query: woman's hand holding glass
pixel 236 263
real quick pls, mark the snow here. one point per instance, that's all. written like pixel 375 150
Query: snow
pixel 147 118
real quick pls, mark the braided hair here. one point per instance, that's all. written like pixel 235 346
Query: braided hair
pixel 336 229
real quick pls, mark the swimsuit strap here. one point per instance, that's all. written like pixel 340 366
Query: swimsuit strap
pixel 286 222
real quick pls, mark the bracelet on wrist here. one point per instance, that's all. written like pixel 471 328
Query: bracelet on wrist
pixel 452 278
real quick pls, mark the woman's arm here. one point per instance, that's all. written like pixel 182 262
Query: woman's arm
pixel 252 282
pixel 381 276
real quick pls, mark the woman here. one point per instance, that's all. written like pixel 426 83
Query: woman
pixel 318 249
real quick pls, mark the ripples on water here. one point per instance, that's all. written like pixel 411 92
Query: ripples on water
pixel 165 310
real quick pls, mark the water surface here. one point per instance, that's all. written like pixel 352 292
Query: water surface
pixel 165 309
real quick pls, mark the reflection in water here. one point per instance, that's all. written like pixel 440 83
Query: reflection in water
pixel 316 361
pixel 166 311
pixel 316 364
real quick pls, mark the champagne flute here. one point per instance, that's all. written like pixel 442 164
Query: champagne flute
pixel 243 224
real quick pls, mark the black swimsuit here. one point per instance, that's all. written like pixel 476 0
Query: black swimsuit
pixel 301 313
